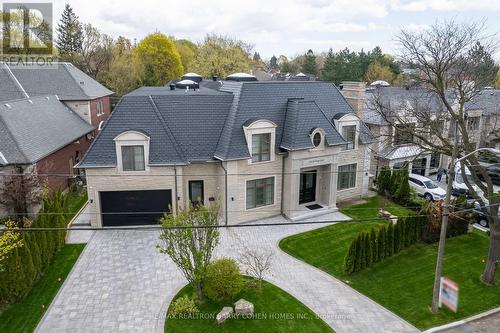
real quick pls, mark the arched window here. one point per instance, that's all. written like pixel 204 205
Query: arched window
pixel 132 151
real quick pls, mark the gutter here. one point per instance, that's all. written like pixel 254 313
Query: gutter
pixel 175 185
pixel 225 191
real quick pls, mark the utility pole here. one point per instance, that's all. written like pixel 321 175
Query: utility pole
pixel 444 224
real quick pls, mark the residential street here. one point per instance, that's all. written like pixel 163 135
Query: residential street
pixel 122 283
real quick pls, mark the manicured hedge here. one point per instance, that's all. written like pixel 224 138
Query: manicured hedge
pixel 371 247
pixel 26 264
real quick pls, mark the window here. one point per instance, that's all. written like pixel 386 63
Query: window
pixel 133 158
pixel 317 139
pixel 403 133
pixel 261 147
pixel 473 123
pixel 435 160
pixel 349 134
pixel 347 176
pixel 260 192
pixel 100 108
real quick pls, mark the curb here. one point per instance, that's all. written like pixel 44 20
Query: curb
pixel 463 321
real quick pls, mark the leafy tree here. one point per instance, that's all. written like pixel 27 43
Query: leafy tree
pixel 486 66
pixel 189 239
pixel 158 60
pixel 223 281
pixel 123 73
pixel 256 57
pixel 377 71
pixel 187 50
pixel 273 62
pixel 69 34
pixel 497 80
pixel 97 52
pixel 9 241
pixel 221 56
pixel 309 64
pixel 384 181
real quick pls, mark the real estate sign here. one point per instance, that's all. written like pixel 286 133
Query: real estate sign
pixel 448 294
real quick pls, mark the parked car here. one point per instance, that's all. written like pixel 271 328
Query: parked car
pixel 458 186
pixel 480 217
pixel 426 188
pixel 494 172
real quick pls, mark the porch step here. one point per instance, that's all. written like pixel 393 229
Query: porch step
pixel 303 215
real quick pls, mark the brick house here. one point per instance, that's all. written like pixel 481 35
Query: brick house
pixel 294 148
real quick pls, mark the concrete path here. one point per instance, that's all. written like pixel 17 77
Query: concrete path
pixel 81 220
pixel 122 283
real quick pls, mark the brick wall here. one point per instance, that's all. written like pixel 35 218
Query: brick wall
pixel 94 118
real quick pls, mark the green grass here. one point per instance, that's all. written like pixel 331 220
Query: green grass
pixel 370 209
pixel 403 283
pixel 75 203
pixel 269 301
pixel 25 315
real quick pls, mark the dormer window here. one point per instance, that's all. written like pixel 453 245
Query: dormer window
pixel 261 147
pixel 132 151
pixel 260 136
pixel 317 138
pixel 133 158
pixel 349 134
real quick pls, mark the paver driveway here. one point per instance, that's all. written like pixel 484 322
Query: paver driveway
pixel 122 283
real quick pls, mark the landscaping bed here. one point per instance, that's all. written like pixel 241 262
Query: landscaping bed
pixel 402 283
pixel 25 315
pixel 275 311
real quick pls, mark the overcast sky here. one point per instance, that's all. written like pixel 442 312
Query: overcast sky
pixel 277 27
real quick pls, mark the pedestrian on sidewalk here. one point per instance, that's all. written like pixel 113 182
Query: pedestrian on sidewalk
pixel 440 174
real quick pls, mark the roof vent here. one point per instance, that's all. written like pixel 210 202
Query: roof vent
pixel 301 74
pixel 380 83
pixel 241 77
pixel 30 101
pixel 82 83
pixel 187 84
pixel 193 77
pixel 48 98
pixel 8 106
pixel 172 86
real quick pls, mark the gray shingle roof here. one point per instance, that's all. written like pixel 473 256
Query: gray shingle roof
pixel 9 90
pixel 31 129
pixel 61 79
pixel 487 100
pixel 208 124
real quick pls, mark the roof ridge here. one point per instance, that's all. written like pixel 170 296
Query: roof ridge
pixel 231 118
pixel 329 120
pixel 13 138
pixel 177 147
pixel 65 65
pixel 294 120
pixel 16 81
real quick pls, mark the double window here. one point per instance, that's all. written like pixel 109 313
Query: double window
pixel 133 158
pixel 260 192
pixel 473 123
pixel 346 176
pixel 261 147
pixel 349 134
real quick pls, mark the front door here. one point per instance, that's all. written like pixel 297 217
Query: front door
pixel 196 192
pixel 307 187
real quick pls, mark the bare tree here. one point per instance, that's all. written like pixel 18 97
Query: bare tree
pixel 450 77
pixel 20 191
pixel 256 263
pixel 189 238
pixel 97 51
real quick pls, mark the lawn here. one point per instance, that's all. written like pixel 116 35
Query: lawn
pixel 75 203
pixel 271 304
pixel 25 315
pixel 370 209
pixel 403 283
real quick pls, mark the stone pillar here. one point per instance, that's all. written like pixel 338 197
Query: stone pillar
pixel 333 185
pixel 354 93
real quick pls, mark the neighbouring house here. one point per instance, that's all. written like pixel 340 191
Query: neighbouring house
pixel 261 148
pixel 41 135
pixel 483 119
pixel 49 115
pixel 394 147
pixel 75 89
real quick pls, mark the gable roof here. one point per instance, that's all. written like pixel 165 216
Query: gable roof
pixel 31 129
pixel 207 124
pixel 487 100
pixel 61 79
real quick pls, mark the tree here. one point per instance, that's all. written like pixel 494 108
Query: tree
pixel 486 66
pixel 497 80
pixel 286 66
pixel 450 76
pixel 221 56
pixel 158 60
pixel 309 65
pixel 256 263
pixel 69 34
pixel 187 50
pixel 97 52
pixel 21 190
pixel 189 239
pixel 273 62
pixel 9 241
pixel 377 71
pixel 123 73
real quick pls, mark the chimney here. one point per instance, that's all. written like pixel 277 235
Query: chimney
pixel 354 93
pixel 215 78
pixel 172 86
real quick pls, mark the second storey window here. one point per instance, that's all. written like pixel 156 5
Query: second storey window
pixel 349 134
pixel 260 192
pixel 133 158
pixel 261 147
pixel 346 177
pixel 473 123
pixel 100 108
pixel 403 133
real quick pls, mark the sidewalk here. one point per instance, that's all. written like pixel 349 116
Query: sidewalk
pixel 81 220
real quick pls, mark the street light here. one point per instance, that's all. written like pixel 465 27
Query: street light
pixel 446 212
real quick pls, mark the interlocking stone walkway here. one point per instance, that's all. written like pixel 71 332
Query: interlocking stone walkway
pixel 122 283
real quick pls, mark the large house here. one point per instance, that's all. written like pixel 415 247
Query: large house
pixel 294 148
pixel 48 116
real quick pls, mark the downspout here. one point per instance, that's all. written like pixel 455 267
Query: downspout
pixel 176 196
pixel 282 182
pixel 225 190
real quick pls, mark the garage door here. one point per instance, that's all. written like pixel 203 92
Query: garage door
pixel 124 208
